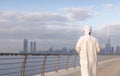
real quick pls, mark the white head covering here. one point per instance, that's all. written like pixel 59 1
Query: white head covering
pixel 87 29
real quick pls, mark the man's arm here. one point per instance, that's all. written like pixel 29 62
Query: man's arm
pixel 97 46
pixel 78 46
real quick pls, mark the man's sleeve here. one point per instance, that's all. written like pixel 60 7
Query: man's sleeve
pixel 78 45
pixel 97 46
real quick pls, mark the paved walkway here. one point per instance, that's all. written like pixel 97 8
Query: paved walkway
pixel 109 67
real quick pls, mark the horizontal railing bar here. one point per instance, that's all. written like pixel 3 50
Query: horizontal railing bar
pixel 62 61
pixel 32 70
pixel 9 58
pixel 33 61
pixel 51 59
pixel 35 57
pixel 32 66
pixel 10 63
pixel 10 73
pixel 41 60
pixel 50 66
pixel 63 58
pixel 71 60
pixel 10 68
pixel 31 54
pixel 64 65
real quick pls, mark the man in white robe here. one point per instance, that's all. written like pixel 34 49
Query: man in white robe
pixel 88 47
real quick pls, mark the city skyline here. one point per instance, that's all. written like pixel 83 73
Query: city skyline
pixel 106 50
pixel 56 23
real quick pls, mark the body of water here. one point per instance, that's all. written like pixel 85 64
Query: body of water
pixel 11 65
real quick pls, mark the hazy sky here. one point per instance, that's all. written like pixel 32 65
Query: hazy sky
pixel 56 23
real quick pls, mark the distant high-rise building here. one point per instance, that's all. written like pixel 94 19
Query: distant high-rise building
pixel 51 49
pixel 118 49
pixel 108 45
pixel 108 38
pixel 33 47
pixel 25 46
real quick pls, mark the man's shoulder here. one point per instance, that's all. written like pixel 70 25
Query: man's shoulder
pixel 94 38
pixel 82 37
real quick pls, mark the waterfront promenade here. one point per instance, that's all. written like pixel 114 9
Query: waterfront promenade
pixel 109 66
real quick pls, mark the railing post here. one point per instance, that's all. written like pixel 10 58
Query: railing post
pixel 67 62
pixel 57 63
pixel 23 65
pixel 43 65
pixel 74 66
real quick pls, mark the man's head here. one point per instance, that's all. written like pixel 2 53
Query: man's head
pixel 87 29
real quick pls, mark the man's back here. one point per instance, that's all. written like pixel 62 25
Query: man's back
pixel 87 47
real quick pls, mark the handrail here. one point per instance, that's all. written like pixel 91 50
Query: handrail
pixel 75 61
pixel 57 63
pixel 23 65
pixel 14 54
pixel 43 66
pixel 26 63
pixel 67 62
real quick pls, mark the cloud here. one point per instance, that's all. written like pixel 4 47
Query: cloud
pixel 81 13
pixel 109 6
pixel 114 34
pixel 43 18
pixel 24 23
pixel 48 29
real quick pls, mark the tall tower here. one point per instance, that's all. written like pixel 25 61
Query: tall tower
pixel 108 35
pixel 33 47
pixel 25 46
pixel 108 45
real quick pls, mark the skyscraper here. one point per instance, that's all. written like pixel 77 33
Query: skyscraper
pixel 33 47
pixel 25 46
pixel 108 35
pixel 108 45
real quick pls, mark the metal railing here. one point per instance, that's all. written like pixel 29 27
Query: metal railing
pixel 14 64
